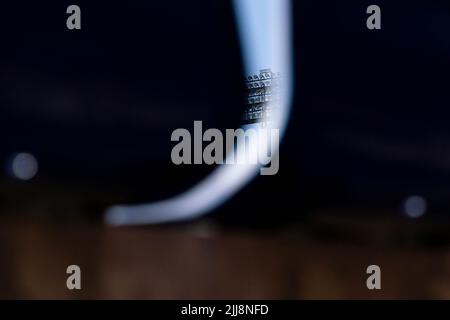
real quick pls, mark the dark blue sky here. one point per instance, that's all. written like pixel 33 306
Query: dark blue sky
pixel 370 116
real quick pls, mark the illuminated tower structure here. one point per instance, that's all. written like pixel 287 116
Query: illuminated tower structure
pixel 261 96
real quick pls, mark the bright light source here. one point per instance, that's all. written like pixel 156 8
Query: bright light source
pixel 264 31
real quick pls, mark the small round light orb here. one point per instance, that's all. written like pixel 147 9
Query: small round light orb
pixel 415 206
pixel 24 166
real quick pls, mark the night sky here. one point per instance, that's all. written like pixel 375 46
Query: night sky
pixel 370 115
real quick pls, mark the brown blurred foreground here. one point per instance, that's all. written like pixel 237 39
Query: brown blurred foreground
pixel 201 261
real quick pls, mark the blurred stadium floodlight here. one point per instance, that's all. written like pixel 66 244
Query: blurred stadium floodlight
pixel 265 36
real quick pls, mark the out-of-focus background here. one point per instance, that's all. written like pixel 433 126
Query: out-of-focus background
pixel 364 166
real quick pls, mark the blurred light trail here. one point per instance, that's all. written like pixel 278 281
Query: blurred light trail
pixel 265 36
